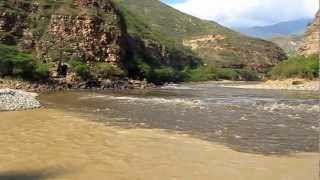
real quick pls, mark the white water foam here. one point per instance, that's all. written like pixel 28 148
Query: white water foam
pixel 152 100
pixel 281 106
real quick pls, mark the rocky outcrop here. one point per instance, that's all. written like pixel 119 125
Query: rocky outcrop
pixel 92 38
pixel 94 32
pixel 195 43
pixel 12 22
pixel 311 40
pixel 84 37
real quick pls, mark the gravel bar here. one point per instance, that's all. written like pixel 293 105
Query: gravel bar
pixel 14 100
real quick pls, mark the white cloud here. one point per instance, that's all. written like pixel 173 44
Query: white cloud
pixel 249 12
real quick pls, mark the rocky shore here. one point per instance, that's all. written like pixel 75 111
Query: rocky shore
pixel 63 84
pixel 14 100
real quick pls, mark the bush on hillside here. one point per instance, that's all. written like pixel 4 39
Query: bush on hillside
pixel 202 73
pixel 299 66
pixel 164 74
pixel 212 73
pixel 247 75
pixel 80 68
pixel 42 71
pixel 106 70
pixel 15 63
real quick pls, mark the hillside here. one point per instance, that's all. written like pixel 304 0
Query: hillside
pixel 289 43
pixel 76 40
pixel 89 37
pixel 214 43
pixel 294 27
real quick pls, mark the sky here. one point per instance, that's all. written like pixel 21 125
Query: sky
pixel 247 13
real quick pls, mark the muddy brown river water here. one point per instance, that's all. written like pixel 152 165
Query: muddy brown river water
pixel 180 132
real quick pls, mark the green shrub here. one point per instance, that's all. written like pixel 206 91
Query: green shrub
pixel 75 62
pixel 299 66
pixel 23 68
pixel 42 71
pixel 211 73
pixel 203 73
pixel 80 68
pixel 227 73
pixel 106 70
pixel 164 74
pixel 248 75
pixel 6 67
pixel 145 70
pixel 15 63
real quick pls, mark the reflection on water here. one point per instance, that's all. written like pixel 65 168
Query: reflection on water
pixel 54 144
pixel 255 121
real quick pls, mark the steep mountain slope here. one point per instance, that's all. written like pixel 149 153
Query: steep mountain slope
pixel 90 32
pixel 62 30
pixel 214 43
pixel 295 27
pixel 143 38
pixel 290 43
pixel 311 39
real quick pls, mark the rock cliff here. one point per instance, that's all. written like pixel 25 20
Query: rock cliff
pixel 311 40
pixel 92 31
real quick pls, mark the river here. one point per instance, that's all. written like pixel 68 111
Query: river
pixel 188 131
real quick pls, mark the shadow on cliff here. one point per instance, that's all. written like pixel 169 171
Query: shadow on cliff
pixel 32 175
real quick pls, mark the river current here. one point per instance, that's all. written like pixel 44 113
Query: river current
pixel 187 131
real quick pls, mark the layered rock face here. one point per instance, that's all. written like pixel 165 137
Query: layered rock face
pixel 12 23
pixel 311 40
pixel 92 32
pixel 92 38
pixel 82 37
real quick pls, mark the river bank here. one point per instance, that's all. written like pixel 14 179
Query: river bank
pixel 64 84
pixel 125 84
pixel 33 146
pixel 288 84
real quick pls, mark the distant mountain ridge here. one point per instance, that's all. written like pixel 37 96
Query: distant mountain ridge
pixel 295 27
